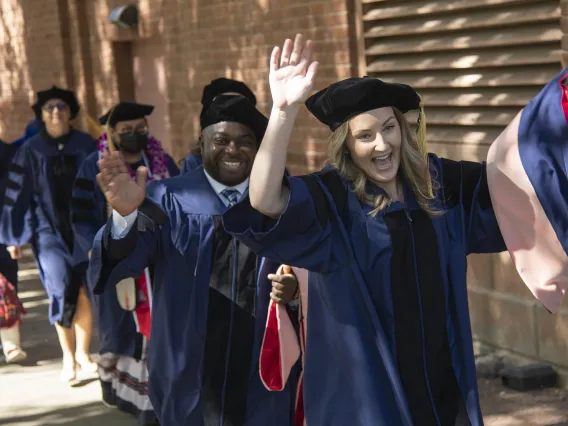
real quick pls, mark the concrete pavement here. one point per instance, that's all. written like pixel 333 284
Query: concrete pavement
pixel 31 394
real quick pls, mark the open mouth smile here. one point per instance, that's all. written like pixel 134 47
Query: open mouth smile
pixel 383 162
pixel 232 164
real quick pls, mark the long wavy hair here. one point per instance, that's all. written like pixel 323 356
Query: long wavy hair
pixel 413 165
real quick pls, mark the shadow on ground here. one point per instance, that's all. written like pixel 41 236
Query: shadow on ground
pixel 505 407
pixel 31 393
pixel 91 414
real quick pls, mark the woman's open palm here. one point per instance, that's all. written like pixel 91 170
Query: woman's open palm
pixel 121 192
pixel 291 72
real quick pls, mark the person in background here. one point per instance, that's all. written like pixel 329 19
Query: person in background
pixel 33 128
pixel 37 209
pixel 123 333
pixel 9 337
pixel 219 86
pixel 210 294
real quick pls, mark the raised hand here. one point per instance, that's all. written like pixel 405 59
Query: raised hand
pixel 121 192
pixel 291 72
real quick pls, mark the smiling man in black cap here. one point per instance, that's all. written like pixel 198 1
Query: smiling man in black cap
pixel 217 87
pixel 211 293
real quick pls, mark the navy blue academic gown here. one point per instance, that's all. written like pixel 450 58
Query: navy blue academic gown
pixel 210 301
pixel 389 337
pixel 191 162
pixel 36 209
pixel 117 328
pixel 8 266
pixel 88 205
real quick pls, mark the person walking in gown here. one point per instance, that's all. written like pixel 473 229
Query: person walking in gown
pixel 384 231
pixel 37 210
pixel 124 331
pixel 210 292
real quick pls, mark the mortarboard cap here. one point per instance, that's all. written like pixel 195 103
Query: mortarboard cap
pixel 55 92
pixel 348 98
pixel 223 85
pixel 236 109
pixel 125 111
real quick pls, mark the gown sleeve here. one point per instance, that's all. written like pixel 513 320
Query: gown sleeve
pixel 17 219
pixel 88 210
pixel 191 162
pixel 465 186
pixel 305 234
pixel 113 260
pixel 528 180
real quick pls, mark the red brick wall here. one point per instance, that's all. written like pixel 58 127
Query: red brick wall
pixel 234 39
pixel 201 41
pixel 30 46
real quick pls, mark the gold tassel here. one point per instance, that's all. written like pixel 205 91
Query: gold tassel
pixel 423 145
pixel 421 131
pixel 110 142
pixel 94 128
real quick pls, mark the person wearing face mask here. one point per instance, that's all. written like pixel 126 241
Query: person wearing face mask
pixel 384 231
pixel 218 86
pixel 124 330
pixel 36 209
pixel 210 294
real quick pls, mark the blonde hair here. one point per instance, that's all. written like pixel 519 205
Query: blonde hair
pixel 413 165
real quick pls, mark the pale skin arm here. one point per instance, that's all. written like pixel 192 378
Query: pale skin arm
pixel 290 84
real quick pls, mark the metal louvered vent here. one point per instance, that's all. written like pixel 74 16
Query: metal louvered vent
pixel 475 63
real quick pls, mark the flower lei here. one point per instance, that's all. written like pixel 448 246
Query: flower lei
pixel 157 160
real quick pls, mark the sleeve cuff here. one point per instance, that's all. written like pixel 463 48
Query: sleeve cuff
pixel 121 225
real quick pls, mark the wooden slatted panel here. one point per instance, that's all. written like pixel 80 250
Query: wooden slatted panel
pixel 476 63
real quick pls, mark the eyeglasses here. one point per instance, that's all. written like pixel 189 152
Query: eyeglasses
pixel 51 107
pixel 139 130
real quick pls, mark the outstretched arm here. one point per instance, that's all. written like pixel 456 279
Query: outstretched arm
pixel 119 250
pixel 291 81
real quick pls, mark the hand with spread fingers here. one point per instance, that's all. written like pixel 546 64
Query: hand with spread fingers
pixel 121 192
pixel 284 286
pixel 292 73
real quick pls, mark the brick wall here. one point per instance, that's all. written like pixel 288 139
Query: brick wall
pixel 30 45
pixel 234 39
pixel 201 42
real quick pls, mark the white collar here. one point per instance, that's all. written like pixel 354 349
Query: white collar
pixel 218 187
